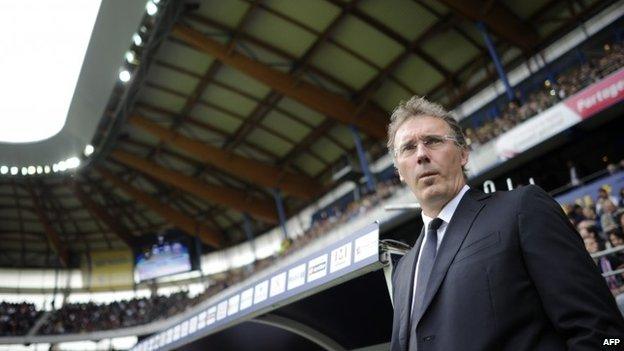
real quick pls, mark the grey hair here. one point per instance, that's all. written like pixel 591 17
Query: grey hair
pixel 418 106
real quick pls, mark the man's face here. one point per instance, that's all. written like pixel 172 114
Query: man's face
pixel 591 245
pixel 602 194
pixel 615 240
pixel 433 174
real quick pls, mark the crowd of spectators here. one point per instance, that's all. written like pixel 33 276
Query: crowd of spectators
pixel 567 83
pixel 17 318
pixel 89 317
pixel 329 219
pixel 601 225
pixel 336 215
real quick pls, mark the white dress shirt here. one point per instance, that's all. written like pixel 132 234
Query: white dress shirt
pixel 445 215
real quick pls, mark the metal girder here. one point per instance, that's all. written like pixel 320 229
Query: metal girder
pixel 100 213
pixel 300 329
pixel 50 232
pixel 297 70
pixel 369 120
pixel 177 218
pixel 499 19
pixel 236 199
pixel 241 167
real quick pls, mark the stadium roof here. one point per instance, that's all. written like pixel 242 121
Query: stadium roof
pixel 243 97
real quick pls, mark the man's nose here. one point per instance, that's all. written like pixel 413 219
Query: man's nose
pixel 422 154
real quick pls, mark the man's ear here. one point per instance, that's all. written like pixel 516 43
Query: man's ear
pixel 464 156
pixel 399 174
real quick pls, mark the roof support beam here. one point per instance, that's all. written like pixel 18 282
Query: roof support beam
pixel 100 213
pixel 180 220
pixel 499 19
pixel 370 120
pixel 238 200
pixel 251 170
pixel 51 234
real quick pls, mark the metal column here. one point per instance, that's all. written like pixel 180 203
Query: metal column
pixel 370 180
pixel 249 232
pixel 280 211
pixel 497 62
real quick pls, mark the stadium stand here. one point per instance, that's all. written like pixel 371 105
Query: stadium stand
pixel 17 318
pixel 554 90
pixel 595 209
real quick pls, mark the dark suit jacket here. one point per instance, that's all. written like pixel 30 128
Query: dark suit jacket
pixel 512 273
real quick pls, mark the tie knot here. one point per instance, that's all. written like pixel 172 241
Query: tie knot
pixel 435 224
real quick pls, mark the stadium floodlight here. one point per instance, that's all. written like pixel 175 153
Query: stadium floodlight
pixel 130 57
pixel 24 170
pixel 4 170
pixel 39 169
pixel 72 162
pixel 32 170
pixel 30 54
pixel 62 166
pixel 55 167
pixel 14 170
pixel 151 8
pixel 88 150
pixel 136 39
pixel 46 169
pixel 125 76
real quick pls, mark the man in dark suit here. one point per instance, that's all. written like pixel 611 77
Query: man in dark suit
pixel 502 271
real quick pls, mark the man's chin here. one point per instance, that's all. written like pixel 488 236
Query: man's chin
pixel 429 192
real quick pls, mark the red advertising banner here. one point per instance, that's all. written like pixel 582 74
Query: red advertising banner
pixel 598 96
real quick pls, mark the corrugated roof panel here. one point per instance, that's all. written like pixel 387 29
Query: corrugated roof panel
pixel 342 133
pixel 523 8
pixel 229 100
pixel 182 55
pixel 279 33
pixel 389 96
pixel 160 98
pixel 242 81
pixel 216 118
pixel 312 117
pixel 170 78
pixel 436 5
pixel 450 49
pixel 309 164
pixel 365 40
pixel 228 12
pixel 347 68
pixel 417 74
pixel 284 125
pixel 269 142
pixel 327 150
pixel 406 17
pixel 317 14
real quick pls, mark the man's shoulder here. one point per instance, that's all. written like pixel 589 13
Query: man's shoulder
pixel 519 198
pixel 521 192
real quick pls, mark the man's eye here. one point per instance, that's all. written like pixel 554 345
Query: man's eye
pixel 431 141
pixel 407 147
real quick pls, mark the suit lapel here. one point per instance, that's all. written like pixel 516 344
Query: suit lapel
pixel 454 236
pixel 407 291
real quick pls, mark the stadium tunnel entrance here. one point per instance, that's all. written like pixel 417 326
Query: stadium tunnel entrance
pixel 356 314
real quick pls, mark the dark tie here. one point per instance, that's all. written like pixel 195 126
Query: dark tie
pixel 425 265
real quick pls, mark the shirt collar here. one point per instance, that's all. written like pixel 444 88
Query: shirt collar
pixel 448 210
